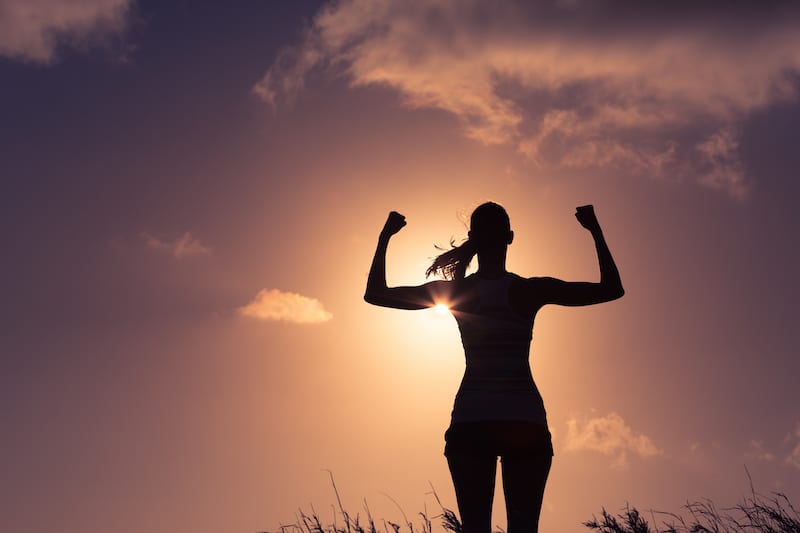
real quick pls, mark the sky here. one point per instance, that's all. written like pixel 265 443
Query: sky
pixel 191 194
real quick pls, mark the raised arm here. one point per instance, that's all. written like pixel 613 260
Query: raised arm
pixel 378 293
pixel 584 293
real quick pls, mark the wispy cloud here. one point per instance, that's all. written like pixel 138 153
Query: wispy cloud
pixel 32 30
pixel 611 436
pixel 274 304
pixel 182 246
pixel 648 88
pixel 793 459
pixel 757 450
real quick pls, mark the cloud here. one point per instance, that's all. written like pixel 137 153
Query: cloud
pixel 758 451
pixel 720 157
pixel 32 30
pixel 611 436
pixel 183 246
pixel 645 88
pixel 274 304
pixel 793 459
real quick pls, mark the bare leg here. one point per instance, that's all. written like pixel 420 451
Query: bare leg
pixel 524 479
pixel 473 477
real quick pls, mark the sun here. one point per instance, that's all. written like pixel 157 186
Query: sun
pixel 441 310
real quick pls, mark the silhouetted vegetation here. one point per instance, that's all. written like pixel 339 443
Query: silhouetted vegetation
pixel 756 513
pixel 311 523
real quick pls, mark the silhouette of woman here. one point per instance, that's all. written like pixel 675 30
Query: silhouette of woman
pixel 498 411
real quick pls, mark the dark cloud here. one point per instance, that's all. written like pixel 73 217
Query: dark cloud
pixel 658 89
pixel 32 31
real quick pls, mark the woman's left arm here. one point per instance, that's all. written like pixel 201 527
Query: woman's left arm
pixel 378 293
pixel 568 293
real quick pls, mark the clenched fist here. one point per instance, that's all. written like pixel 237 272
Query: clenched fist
pixel 585 215
pixel 394 223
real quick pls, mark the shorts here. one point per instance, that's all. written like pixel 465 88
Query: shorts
pixel 503 438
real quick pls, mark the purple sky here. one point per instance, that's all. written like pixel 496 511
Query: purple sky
pixel 191 194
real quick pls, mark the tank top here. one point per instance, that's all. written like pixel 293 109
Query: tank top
pixel 497 383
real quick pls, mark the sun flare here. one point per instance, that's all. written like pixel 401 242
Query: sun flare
pixel 441 310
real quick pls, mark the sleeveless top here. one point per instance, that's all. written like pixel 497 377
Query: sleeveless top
pixel 497 383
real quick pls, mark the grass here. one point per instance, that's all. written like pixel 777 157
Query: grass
pixel 756 513
pixel 311 522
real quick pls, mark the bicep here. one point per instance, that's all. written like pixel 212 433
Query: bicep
pixel 411 297
pixel 569 293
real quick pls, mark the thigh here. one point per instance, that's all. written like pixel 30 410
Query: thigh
pixel 526 457
pixel 473 479
pixel 473 467
pixel 524 479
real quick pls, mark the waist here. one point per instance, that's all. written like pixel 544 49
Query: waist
pixel 482 382
pixel 493 366
pixel 478 404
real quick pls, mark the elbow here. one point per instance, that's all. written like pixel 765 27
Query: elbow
pixel 371 297
pixel 613 288
pixel 619 292
pixel 611 293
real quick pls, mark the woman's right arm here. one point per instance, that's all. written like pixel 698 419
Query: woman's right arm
pixel 378 293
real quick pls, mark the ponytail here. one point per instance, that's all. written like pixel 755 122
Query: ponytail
pixel 452 264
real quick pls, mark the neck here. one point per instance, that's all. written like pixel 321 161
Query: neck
pixel 492 265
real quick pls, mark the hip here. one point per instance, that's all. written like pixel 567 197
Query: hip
pixel 503 438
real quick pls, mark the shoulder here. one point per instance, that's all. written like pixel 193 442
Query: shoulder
pixel 544 286
pixel 443 289
pixel 534 292
pixel 543 281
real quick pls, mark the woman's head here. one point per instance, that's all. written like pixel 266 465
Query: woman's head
pixel 489 232
pixel 489 227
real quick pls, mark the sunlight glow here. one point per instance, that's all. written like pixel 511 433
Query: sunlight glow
pixel 441 310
